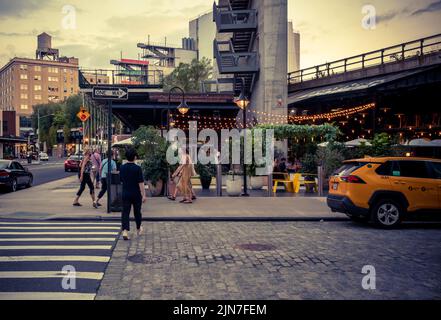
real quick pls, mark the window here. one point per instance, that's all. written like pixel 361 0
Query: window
pixel 37 78
pixel 23 76
pixel 37 97
pixel 348 168
pixel 37 87
pixel 24 107
pixel 23 67
pixel 411 169
pixel 53 79
pixel 385 169
pixel 23 96
pixel 23 87
pixel 436 166
pixel 37 68
pixel 52 70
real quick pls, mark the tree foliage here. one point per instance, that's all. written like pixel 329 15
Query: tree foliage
pixel 327 132
pixel 152 150
pixel 55 116
pixel 189 76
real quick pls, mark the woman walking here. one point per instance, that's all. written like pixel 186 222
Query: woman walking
pixel 185 172
pixel 85 178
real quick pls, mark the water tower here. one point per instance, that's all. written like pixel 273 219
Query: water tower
pixel 44 48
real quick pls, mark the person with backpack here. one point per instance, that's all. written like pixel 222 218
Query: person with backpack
pixel 103 175
pixel 133 193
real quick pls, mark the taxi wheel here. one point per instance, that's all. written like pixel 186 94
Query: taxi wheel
pixel 387 213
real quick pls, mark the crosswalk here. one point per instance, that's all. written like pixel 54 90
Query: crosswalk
pixel 54 260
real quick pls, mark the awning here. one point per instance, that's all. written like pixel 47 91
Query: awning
pixel 12 140
pixel 347 87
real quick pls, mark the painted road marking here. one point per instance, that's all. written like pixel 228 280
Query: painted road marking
pixel 85 247
pixel 55 239
pixel 60 223
pixel 58 228
pixel 57 233
pixel 55 258
pixel 49 274
pixel 46 296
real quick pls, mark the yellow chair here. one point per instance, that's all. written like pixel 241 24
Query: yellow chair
pixel 296 182
pixel 280 177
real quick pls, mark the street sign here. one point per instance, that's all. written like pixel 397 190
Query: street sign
pixel 83 115
pixel 110 93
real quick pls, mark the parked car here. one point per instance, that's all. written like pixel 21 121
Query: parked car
pixel 386 190
pixel 72 163
pixel 13 175
pixel 44 156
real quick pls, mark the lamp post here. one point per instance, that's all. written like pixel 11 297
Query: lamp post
pixel 243 102
pixel 183 108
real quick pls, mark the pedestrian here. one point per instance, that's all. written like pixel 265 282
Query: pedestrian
pixel 186 170
pixel 85 178
pixel 103 175
pixel 96 166
pixel 133 193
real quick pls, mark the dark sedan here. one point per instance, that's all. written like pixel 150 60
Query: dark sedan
pixel 13 175
pixel 72 163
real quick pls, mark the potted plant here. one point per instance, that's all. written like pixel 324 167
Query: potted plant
pixel 234 184
pixel 206 174
pixel 256 182
pixel 152 150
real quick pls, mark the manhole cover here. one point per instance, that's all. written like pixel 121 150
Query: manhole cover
pixel 256 247
pixel 146 259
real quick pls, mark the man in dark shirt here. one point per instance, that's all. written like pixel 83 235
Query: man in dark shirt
pixel 133 193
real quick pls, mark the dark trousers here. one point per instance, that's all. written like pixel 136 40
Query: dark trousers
pixel 103 188
pixel 87 180
pixel 128 202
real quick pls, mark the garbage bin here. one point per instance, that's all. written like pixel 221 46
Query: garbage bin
pixel 116 193
pixel 29 159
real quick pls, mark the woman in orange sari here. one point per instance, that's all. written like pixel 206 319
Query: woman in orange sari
pixel 183 174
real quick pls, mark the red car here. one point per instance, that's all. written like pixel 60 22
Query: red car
pixel 72 163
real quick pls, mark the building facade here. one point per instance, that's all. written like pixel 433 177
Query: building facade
pixel 293 49
pixel 26 82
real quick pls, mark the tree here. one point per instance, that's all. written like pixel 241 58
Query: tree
pixel 189 76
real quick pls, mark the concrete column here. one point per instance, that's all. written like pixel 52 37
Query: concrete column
pixel 270 92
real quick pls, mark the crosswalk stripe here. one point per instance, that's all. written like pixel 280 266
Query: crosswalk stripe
pixel 49 274
pixel 79 247
pixel 31 254
pixel 56 233
pixel 58 228
pixel 61 223
pixel 55 239
pixel 46 296
pixel 55 258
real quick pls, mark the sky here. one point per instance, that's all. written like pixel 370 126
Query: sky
pixel 99 30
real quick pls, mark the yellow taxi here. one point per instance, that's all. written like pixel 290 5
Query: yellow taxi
pixel 386 190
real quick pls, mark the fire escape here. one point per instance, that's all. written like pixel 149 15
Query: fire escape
pixel 236 55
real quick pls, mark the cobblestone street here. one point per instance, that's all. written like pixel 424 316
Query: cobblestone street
pixel 274 260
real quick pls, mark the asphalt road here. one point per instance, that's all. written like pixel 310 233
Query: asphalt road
pixel 47 172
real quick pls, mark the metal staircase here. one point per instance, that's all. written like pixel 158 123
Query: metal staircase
pixel 236 56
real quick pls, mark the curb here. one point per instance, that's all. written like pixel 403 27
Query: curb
pixel 195 219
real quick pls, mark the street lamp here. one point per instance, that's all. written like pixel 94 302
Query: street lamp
pixel 183 108
pixel 243 102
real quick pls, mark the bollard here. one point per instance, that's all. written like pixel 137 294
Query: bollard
pixel 219 180
pixel 320 181
pixel 270 185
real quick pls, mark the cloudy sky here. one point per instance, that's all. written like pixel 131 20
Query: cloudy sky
pixel 330 29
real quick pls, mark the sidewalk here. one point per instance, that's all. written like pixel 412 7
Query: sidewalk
pixel 54 201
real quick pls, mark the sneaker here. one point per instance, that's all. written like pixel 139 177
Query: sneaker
pixel 140 231
pixel 125 235
pixel 95 205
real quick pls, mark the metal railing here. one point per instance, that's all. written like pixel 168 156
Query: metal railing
pixel 398 53
pixel 140 78
pixel 232 62
pixel 234 20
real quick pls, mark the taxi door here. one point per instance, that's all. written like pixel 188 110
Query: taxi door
pixel 412 178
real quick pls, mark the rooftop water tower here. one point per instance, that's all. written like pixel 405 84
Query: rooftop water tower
pixel 44 48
